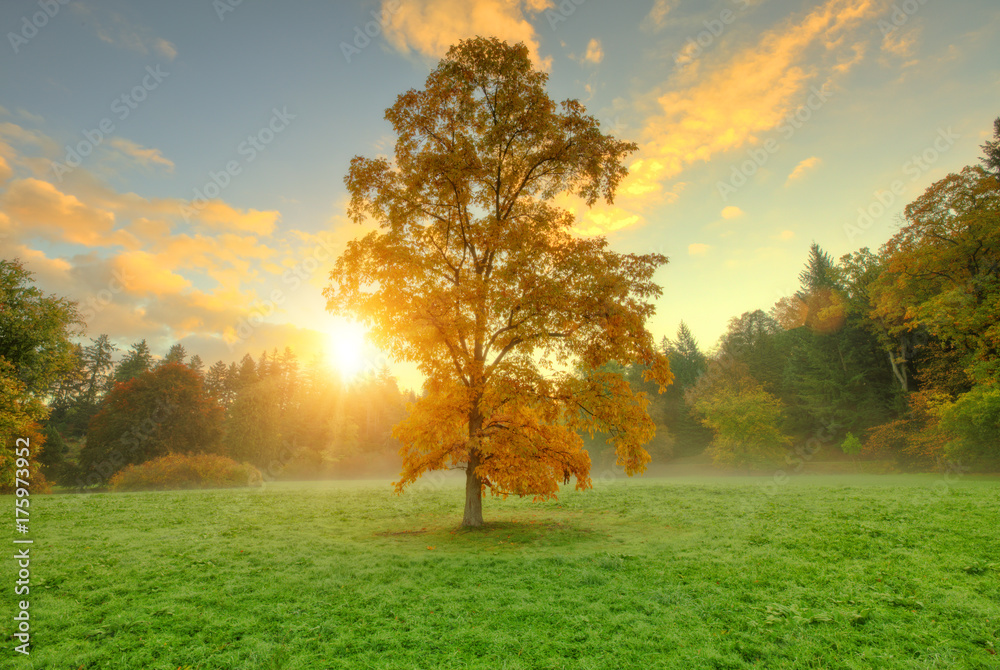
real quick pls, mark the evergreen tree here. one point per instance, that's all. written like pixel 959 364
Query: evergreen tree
pixel 215 382
pixel 196 364
pixel 138 360
pixel 991 151
pixel 246 374
pixel 176 354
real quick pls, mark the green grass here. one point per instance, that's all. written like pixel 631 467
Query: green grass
pixel 829 572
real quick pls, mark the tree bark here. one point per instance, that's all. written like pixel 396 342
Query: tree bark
pixel 473 517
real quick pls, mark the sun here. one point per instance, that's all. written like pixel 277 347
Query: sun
pixel 347 348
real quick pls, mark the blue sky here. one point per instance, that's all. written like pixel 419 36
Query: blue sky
pixel 763 125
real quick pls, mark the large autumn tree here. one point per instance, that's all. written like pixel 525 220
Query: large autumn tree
pixel 941 276
pixel 476 276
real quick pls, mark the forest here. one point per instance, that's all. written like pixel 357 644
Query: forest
pixel 888 355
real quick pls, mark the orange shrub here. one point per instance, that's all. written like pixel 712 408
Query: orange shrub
pixel 914 441
pixel 186 471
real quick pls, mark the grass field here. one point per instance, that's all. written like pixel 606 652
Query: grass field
pixel 828 572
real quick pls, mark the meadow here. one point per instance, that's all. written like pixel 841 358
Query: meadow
pixel 892 571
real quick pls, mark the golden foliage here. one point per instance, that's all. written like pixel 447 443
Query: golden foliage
pixel 476 278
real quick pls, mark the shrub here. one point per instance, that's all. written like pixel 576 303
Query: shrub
pixel 974 422
pixel 915 441
pixel 851 445
pixel 180 471
pixel 745 420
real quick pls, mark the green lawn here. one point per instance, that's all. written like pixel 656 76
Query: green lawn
pixel 828 572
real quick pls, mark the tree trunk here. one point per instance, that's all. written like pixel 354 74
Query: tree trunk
pixel 473 494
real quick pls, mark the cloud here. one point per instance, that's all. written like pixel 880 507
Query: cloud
pixel 656 20
pixel 731 212
pixel 146 274
pixel 140 154
pixel 595 54
pixel 219 215
pixel 784 235
pixel 37 207
pixel 165 48
pixel 801 169
pixel 729 100
pixel 726 105
pixel 698 249
pixel 900 44
pixel 115 29
pixel 431 27
pixel 5 171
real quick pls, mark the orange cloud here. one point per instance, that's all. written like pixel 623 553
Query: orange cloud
pixel 140 154
pixel 732 105
pixel 219 215
pixel 714 106
pixel 595 53
pixel 145 274
pixel 431 27
pixel 801 169
pixel 36 206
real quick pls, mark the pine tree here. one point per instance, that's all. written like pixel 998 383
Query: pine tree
pixel 196 364
pixel 137 361
pixel 818 273
pixel 215 382
pixel 176 354
pixel 991 151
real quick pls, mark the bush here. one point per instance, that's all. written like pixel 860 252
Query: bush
pixel 915 441
pixel 974 422
pixel 745 420
pixel 851 445
pixel 180 471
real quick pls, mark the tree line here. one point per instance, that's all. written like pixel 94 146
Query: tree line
pixel 891 354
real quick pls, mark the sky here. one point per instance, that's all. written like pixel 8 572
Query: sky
pixel 177 168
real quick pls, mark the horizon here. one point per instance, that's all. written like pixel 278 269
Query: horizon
pixel 179 172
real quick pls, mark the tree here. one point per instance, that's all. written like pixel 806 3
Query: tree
pixel 35 330
pixel 158 412
pixel 176 354
pixel 753 339
pixel 215 383
pixel 746 422
pixel 474 275
pixel 973 423
pixel 688 364
pixel 136 362
pixel 196 364
pixel 686 360
pixel 254 428
pixel 99 363
pixel 36 352
pixel 943 273
pixel 991 152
